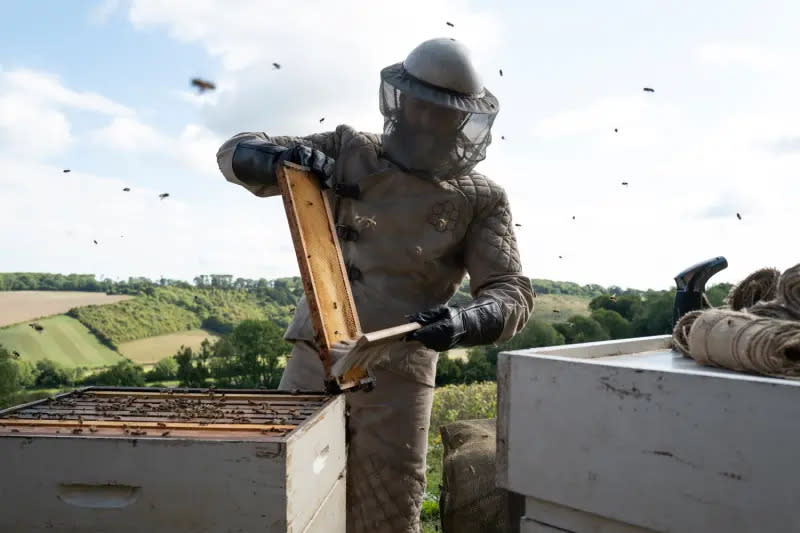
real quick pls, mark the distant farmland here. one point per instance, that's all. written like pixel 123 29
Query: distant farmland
pixel 559 307
pixel 20 306
pixel 152 349
pixel 63 340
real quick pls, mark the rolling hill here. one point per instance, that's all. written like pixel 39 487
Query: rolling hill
pixel 63 340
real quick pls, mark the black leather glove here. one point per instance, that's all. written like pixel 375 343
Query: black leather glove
pixel 445 327
pixel 256 162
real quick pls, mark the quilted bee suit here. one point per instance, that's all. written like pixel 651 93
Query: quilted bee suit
pixel 412 218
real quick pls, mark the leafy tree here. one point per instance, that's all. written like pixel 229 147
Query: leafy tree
pixel 192 371
pixel 579 329
pixel 716 294
pixel 627 305
pixel 165 369
pixel 123 374
pixel 656 315
pixel 10 380
pixel 50 374
pixel 249 356
pixel 616 326
pixel 448 370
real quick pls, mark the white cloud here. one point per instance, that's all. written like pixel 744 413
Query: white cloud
pixel 27 128
pixel 752 56
pixel 330 54
pixel 47 88
pixel 100 13
pixel 49 221
pixel 195 147
pixel 130 135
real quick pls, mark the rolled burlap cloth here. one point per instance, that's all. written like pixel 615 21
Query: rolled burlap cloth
pixel 680 332
pixel 786 303
pixel 760 285
pixel 744 342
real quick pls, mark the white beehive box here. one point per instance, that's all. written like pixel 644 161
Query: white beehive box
pixel 629 436
pixel 233 462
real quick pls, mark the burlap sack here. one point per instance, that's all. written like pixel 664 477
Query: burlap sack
pixel 745 342
pixel 470 501
pixel 761 285
pixel 785 305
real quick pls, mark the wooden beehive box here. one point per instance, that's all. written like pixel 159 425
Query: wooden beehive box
pixel 183 460
pixel 629 436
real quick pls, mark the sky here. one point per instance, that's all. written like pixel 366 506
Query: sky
pixel 102 87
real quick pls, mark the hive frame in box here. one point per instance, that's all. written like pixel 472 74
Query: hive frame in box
pixel 325 281
pixel 206 478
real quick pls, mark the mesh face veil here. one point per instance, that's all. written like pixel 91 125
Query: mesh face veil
pixel 432 130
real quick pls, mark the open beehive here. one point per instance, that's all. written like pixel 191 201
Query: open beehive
pixel 202 413
pixel 137 459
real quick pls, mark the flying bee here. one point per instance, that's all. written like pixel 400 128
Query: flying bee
pixel 203 85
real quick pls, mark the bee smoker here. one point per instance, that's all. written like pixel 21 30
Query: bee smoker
pixel 692 286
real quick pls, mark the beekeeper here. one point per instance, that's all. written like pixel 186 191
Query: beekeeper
pixel 412 217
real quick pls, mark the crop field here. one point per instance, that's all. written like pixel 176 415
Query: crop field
pixel 20 306
pixel 152 349
pixel 63 340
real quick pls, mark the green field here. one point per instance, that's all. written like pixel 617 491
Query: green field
pixel 546 305
pixel 152 349
pixel 64 340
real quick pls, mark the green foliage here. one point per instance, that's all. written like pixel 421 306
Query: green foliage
pixel 656 315
pixel 50 374
pixel 192 368
pixel 170 309
pixel 449 371
pixel 123 374
pixel 134 319
pixel 430 508
pixel 627 305
pixel 165 369
pixel 249 356
pixel 10 379
pixel 546 286
pixel 29 281
pixel 615 325
pixel 463 402
pixel 716 293
pixel 579 329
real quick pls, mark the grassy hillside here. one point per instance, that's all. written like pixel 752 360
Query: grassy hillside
pixel 546 305
pixel 21 306
pixel 173 309
pixel 152 349
pixel 63 340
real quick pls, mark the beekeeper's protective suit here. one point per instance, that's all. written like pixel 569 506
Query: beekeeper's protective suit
pixel 412 219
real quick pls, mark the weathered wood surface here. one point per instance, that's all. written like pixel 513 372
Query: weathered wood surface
pixel 566 519
pixel 635 433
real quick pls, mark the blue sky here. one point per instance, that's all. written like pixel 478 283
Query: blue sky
pixel 102 88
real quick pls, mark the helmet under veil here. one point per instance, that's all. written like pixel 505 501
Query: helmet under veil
pixel 437 113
